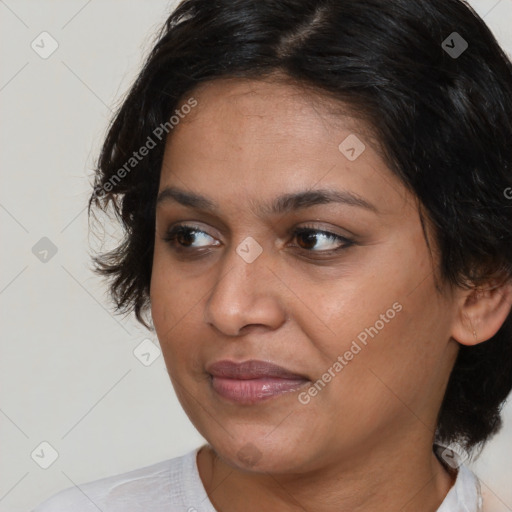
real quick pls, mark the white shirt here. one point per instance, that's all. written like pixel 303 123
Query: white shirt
pixel 174 485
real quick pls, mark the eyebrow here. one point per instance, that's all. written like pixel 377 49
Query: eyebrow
pixel 282 204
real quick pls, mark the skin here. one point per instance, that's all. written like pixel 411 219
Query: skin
pixel 364 442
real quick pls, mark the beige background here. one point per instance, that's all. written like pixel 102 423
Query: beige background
pixel 69 375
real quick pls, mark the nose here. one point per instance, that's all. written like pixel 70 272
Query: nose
pixel 246 293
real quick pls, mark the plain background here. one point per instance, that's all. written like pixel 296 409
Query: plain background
pixel 69 374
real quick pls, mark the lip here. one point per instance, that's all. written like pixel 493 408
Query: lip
pixel 252 381
pixel 252 369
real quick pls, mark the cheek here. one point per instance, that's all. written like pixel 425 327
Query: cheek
pixel 387 365
pixel 352 309
pixel 369 292
pixel 176 303
pixel 171 295
pixel 168 305
pixel 389 332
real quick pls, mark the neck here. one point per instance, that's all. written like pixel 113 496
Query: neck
pixel 414 482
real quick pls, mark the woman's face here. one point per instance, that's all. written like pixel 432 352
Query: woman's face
pixel 354 315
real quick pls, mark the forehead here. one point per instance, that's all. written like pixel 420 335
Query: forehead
pixel 249 139
pixel 270 105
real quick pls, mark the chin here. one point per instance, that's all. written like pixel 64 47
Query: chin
pixel 259 455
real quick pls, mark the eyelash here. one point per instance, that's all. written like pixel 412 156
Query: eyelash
pixel 181 229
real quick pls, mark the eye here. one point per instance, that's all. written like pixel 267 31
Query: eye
pixel 182 238
pixel 327 241
pixel 185 236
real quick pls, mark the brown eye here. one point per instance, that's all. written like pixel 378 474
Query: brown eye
pixel 184 237
pixel 327 241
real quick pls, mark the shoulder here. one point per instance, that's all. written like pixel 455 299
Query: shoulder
pixel 465 493
pixel 155 487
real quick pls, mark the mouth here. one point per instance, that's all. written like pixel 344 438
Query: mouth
pixel 253 381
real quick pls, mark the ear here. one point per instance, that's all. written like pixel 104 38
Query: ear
pixel 482 311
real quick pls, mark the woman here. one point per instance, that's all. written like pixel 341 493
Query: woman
pixel 316 216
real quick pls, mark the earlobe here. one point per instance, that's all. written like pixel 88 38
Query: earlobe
pixel 482 312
